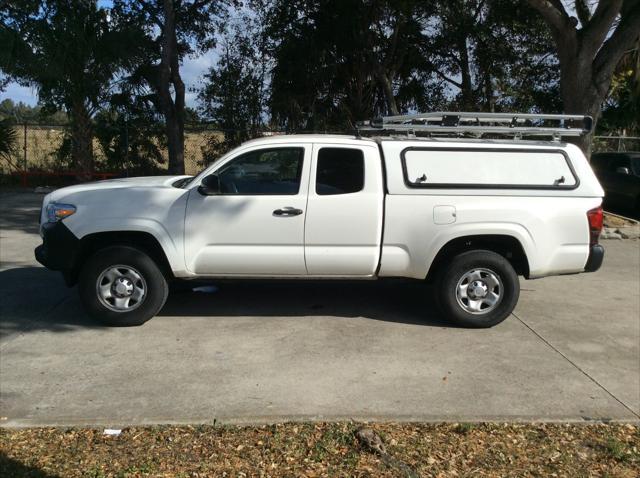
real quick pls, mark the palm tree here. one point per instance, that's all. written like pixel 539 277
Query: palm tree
pixel 8 139
pixel 69 51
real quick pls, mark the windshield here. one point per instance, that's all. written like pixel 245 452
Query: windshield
pixel 184 182
pixel 205 171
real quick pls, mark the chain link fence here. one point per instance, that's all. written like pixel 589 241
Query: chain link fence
pixel 615 143
pixel 35 149
pixel 40 148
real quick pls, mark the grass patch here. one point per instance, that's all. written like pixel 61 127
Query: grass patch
pixel 324 449
pixel 621 450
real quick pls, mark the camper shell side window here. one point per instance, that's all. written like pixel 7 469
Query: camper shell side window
pixel 487 168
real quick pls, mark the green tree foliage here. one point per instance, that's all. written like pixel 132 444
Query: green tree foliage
pixel 315 65
pixel 70 52
pixel 590 40
pixel 621 115
pixel 131 135
pixel 173 30
pixel 337 62
pixel 234 96
pixel 494 55
pixel 19 113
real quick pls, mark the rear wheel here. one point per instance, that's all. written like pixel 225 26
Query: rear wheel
pixel 478 289
pixel 122 286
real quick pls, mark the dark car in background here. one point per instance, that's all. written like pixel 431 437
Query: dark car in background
pixel 619 174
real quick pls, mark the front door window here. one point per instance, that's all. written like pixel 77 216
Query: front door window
pixel 263 172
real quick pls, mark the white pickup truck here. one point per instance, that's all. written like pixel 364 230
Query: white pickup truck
pixel 470 215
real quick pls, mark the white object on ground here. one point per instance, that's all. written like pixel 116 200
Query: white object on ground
pixel 207 289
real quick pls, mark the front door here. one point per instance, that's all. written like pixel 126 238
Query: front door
pixel 255 226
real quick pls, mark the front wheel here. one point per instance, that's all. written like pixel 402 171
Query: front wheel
pixel 122 286
pixel 478 289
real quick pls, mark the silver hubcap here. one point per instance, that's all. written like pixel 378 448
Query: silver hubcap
pixel 121 288
pixel 479 291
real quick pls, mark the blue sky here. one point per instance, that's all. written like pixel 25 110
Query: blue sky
pixel 19 94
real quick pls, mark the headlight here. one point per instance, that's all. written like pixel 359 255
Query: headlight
pixel 57 211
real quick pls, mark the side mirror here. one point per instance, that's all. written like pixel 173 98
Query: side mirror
pixel 623 170
pixel 210 185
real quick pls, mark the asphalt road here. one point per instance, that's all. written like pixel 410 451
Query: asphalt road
pixel 263 352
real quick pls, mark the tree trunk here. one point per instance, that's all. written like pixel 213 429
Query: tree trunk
pixel 582 98
pixel 588 56
pixel 82 141
pixel 169 75
pixel 466 89
pixel 387 88
pixel 175 143
pixel 490 103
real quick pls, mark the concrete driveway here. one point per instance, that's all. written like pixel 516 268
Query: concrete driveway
pixel 261 352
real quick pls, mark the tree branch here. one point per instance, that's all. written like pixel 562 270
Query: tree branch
pixel 561 25
pixel 394 42
pixel 152 14
pixel 447 79
pixel 622 39
pixel 478 10
pixel 583 12
pixel 197 5
pixel 596 30
pixel 553 13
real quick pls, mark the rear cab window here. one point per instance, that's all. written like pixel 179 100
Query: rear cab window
pixel 339 171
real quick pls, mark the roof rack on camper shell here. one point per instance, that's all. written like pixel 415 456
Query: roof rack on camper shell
pixel 479 124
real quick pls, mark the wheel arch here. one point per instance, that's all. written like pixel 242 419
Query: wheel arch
pixel 143 241
pixel 507 246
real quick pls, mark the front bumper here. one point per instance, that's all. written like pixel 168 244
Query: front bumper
pixel 596 256
pixel 59 248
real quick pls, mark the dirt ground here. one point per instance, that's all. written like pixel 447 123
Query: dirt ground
pixel 325 449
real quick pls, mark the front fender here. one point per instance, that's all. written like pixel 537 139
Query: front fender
pixel 149 226
pixel 155 211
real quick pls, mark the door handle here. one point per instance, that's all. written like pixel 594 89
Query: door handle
pixel 287 211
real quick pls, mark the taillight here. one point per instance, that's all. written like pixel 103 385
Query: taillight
pixel 595 218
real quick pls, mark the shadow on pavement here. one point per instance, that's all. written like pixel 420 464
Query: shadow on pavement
pixel 390 301
pixel 21 211
pixel 34 298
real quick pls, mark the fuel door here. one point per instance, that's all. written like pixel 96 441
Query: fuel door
pixel 444 214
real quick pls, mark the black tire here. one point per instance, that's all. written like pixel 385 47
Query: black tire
pixel 153 283
pixel 459 270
